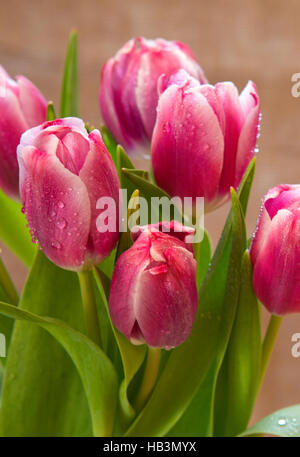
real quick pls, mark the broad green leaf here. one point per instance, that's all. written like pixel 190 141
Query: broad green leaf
pixel 110 143
pixel 69 105
pixel 95 369
pixel 7 293
pixel 239 376
pixel 189 363
pixel 285 422
pixel 197 420
pixel 42 392
pixel 132 359
pixel 13 230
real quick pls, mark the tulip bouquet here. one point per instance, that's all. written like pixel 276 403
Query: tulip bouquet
pixel 128 324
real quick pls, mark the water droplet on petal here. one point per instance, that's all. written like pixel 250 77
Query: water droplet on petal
pixel 56 244
pixel 61 224
pixel 61 204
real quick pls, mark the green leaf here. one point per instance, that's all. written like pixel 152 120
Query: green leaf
pixel 110 143
pixel 285 422
pixel 13 230
pixel 42 392
pixel 202 253
pixel 246 183
pixel 95 369
pixel 207 343
pixel 69 105
pixel 123 161
pixel 154 196
pixel 239 376
pixel 132 359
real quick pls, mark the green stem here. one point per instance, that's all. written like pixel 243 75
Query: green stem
pixel 8 285
pixel 268 344
pixel 149 378
pixel 89 306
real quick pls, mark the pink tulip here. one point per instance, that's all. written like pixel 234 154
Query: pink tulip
pixel 275 251
pixel 21 106
pixel 63 172
pixel 128 88
pixel 204 137
pixel 153 296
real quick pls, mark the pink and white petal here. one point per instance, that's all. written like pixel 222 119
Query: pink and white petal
pixel 234 119
pixel 57 207
pixel 283 197
pixel 276 269
pixel 33 103
pixel 101 180
pixel 246 143
pixel 249 98
pixel 125 286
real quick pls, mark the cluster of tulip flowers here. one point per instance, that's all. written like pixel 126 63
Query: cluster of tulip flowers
pixel 143 333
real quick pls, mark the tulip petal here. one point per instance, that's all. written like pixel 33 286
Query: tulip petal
pixel 276 275
pixel 33 103
pixel 57 207
pixel 124 287
pixel 12 125
pixel 101 180
pixel 234 118
pixel 165 318
pixel 249 133
pixel 187 145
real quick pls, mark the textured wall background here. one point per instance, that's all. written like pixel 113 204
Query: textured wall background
pixel 233 40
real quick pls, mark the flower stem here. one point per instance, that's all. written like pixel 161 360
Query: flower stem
pixel 268 344
pixel 149 378
pixel 89 306
pixel 8 285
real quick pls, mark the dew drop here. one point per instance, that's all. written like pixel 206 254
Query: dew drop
pixel 61 204
pixel 53 213
pixel 281 422
pixel 56 244
pixel 61 224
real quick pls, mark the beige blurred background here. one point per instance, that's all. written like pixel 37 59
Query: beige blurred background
pixel 233 40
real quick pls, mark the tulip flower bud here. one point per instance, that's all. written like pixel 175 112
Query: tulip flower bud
pixel 153 296
pixel 275 251
pixel 64 171
pixel 128 88
pixel 204 137
pixel 22 106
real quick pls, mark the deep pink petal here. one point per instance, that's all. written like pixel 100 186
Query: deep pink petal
pixel 57 207
pixel 12 125
pixel 276 277
pixel 187 145
pixel 234 119
pixel 165 318
pixel 101 180
pixel 33 103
